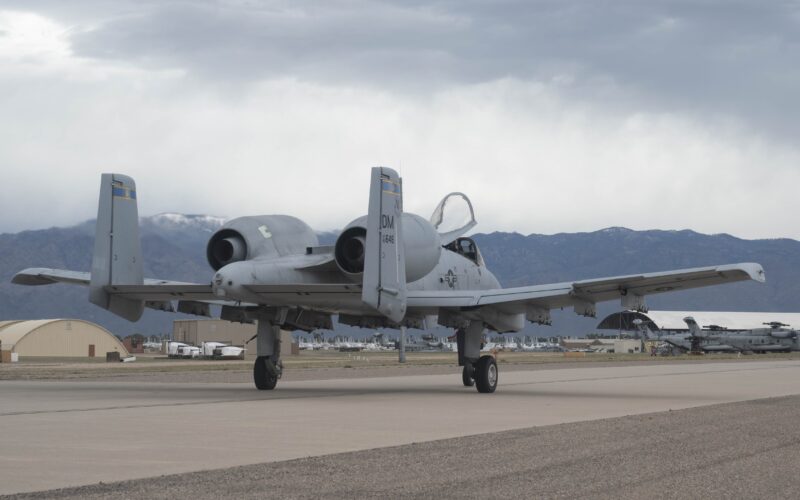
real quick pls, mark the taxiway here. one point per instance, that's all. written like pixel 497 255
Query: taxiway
pixel 64 433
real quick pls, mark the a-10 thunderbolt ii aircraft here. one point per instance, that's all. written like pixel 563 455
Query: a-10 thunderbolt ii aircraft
pixel 388 268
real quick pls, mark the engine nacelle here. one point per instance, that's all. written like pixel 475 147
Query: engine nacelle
pixel 422 247
pixel 258 236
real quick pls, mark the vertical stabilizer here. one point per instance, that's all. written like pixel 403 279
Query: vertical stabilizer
pixel 117 258
pixel 384 284
pixel 694 328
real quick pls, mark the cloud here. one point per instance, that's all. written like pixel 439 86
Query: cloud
pixel 711 57
pixel 559 117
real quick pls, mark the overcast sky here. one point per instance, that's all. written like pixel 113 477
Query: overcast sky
pixel 553 117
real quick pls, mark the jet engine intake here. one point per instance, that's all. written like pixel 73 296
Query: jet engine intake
pixel 350 250
pixel 226 247
pixel 422 247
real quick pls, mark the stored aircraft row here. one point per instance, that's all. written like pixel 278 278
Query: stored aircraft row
pixel 775 337
pixel 389 268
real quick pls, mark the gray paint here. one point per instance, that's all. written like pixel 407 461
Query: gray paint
pixel 117 258
pixel 384 282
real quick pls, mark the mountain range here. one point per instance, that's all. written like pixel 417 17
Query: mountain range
pixel 173 247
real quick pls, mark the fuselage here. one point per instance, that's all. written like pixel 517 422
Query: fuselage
pixel 237 281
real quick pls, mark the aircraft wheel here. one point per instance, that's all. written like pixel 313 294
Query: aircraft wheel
pixel 468 375
pixel 486 374
pixel 264 380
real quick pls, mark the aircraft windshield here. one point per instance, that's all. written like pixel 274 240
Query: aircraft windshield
pixel 453 217
pixel 467 248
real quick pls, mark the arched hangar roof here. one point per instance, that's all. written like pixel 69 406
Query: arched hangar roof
pixel 5 324
pixel 57 330
pixel 673 320
pixel 12 334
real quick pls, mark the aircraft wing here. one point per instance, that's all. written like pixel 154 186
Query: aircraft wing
pixel 583 294
pixel 579 294
pixel 534 301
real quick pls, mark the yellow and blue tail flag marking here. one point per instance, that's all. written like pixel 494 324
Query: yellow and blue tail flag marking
pixel 123 192
pixel 390 187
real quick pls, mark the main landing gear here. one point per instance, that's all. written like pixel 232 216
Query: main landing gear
pixel 486 374
pixel 480 371
pixel 268 367
pixel 468 375
pixel 265 374
pixel 482 374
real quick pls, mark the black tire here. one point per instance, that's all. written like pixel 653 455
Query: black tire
pixel 468 374
pixel 486 374
pixel 263 379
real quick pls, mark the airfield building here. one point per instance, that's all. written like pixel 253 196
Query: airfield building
pixel 197 331
pixel 56 338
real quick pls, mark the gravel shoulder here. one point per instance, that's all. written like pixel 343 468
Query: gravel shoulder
pixel 739 450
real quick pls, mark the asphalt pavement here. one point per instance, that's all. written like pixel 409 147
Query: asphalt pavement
pixel 600 432
pixel 739 450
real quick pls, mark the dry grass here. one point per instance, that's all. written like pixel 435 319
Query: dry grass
pixel 308 360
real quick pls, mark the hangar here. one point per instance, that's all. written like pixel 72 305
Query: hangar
pixel 57 338
pixel 672 321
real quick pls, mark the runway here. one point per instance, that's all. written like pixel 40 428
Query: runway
pixel 58 434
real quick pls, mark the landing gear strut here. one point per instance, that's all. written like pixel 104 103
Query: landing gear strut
pixel 268 367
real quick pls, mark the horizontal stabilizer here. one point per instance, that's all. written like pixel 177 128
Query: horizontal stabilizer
pixel 35 276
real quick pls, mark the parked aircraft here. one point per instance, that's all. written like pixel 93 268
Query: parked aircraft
pixel 716 338
pixel 531 346
pixel 305 345
pixel 388 268
pixel 426 343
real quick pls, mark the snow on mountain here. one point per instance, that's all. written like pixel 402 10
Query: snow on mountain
pixel 175 221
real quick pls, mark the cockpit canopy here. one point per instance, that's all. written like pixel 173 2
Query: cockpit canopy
pixel 453 217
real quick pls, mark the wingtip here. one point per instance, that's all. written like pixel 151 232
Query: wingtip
pixel 753 269
pixel 31 277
